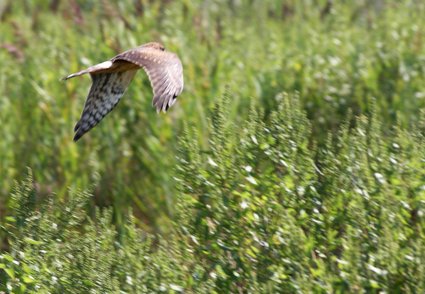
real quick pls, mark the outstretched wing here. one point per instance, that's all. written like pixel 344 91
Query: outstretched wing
pixel 164 70
pixel 105 93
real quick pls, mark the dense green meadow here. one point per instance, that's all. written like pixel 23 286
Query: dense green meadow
pixel 293 161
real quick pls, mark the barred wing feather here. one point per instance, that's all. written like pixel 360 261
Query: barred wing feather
pixel 164 70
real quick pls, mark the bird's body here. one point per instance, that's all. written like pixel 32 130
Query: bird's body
pixel 111 78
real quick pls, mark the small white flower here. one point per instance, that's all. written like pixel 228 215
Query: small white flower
pixel 176 287
pixel 212 162
pixel 251 180
pixel 244 205
pixel 379 177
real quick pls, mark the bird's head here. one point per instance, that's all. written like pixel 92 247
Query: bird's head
pixel 154 45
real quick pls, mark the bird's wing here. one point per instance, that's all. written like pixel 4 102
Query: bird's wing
pixel 164 70
pixel 105 93
pixel 101 67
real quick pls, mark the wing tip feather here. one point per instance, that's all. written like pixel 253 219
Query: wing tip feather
pixel 77 136
pixel 163 103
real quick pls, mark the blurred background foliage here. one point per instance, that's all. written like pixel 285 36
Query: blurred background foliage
pixel 287 192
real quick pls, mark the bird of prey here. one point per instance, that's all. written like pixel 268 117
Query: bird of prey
pixel 111 78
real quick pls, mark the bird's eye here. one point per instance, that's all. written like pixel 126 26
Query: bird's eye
pixel 162 49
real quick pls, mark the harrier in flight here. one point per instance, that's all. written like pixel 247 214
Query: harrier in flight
pixel 111 78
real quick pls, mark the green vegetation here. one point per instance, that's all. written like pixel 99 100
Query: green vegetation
pixel 294 161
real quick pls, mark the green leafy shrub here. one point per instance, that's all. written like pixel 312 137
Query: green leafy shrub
pixel 261 209
pixel 271 208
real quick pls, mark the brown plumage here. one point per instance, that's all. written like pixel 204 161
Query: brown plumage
pixel 111 78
